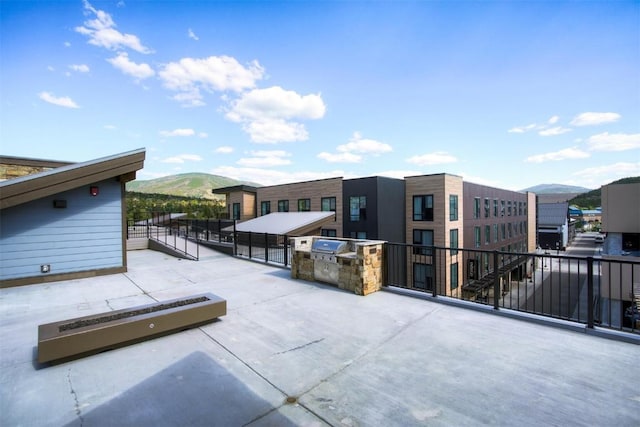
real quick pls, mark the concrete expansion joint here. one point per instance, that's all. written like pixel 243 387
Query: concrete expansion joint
pixel 138 286
pixel 75 398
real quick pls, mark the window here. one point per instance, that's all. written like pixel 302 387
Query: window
pixel 453 267
pixel 453 241
pixel 358 234
pixel 453 207
pixel 487 208
pixel 501 207
pixel 509 208
pixel 476 207
pixel 304 205
pixel 520 208
pixel 423 208
pixel 423 238
pixel 495 232
pixel 495 207
pixel 283 206
pixel 423 276
pixel 487 234
pixel 236 211
pixel 510 230
pixel 328 204
pixel 265 208
pixel 328 232
pixel 358 208
pixel 476 233
pixel 503 229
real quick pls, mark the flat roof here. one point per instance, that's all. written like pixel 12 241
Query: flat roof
pixel 285 222
pixel 292 352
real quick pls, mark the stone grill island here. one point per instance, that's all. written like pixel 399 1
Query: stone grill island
pixel 350 264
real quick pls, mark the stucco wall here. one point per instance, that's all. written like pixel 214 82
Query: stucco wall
pixel 84 236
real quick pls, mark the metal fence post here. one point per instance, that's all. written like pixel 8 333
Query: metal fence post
pixel 286 250
pixel 250 248
pixel 235 239
pixel 590 305
pixel 266 247
pixel 496 282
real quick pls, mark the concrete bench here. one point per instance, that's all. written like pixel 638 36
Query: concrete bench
pixel 87 335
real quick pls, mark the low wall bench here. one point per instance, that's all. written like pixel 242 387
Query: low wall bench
pixel 83 336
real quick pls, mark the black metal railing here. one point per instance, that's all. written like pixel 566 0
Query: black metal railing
pixel 592 291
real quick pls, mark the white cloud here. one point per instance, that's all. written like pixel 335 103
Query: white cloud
pixel 127 66
pixel 274 176
pixel 268 114
pixel 357 144
pixel 614 171
pixel 62 101
pixel 177 132
pixel 344 157
pixel 265 159
pixel 224 150
pixel 565 154
pixel 522 129
pixel 192 35
pixel 590 119
pixel 80 68
pixel 110 127
pixel 216 73
pixel 614 142
pixel 436 158
pixel 553 120
pixel 181 158
pixel 272 131
pixel 203 135
pixel 554 131
pixel 101 32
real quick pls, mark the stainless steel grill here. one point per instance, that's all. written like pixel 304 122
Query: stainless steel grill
pixel 324 253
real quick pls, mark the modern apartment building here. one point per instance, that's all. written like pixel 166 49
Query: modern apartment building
pixel 439 210
pixel 621 223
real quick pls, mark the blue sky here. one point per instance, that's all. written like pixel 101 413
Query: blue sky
pixel 507 94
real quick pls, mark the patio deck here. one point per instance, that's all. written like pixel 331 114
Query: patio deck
pixel 298 353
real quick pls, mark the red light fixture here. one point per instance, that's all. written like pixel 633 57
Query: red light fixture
pixel 93 190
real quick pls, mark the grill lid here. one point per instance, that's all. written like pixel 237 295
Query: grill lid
pixel 329 246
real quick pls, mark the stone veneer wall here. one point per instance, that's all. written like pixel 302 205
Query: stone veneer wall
pixel 359 272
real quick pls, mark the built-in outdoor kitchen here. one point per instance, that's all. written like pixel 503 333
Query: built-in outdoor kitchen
pixel 351 264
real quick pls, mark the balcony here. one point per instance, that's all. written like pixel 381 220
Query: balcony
pixel 291 352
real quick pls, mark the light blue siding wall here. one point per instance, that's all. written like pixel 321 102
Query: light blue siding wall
pixel 86 235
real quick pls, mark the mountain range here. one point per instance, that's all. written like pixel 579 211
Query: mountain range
pixel 186 185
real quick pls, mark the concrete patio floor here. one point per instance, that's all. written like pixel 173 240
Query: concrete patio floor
pixel 344 360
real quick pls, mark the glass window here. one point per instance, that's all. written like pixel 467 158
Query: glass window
pixel 358 208
pixel 328 232
pixel 236 211
pixel 495 207
pixel 476 233
pixel 328 204
pixel 453 241
pixel 423 238
pixel 487 234
pixel 454 275
pixel 476 207
pixel 453 207
pixel 423 276
pixel 358 234
pixel 304 205
pixel 502 207
pixel 503 229
pixel 283 206
pixel 509 208
pixel 495 232
pixel 487 208
pixel 423 208
pixel 265 208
